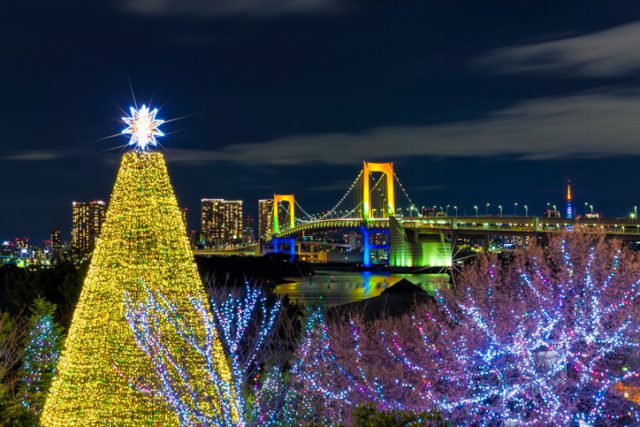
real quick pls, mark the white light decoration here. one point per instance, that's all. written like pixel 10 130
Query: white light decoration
pixel 143 127
pixel 546 338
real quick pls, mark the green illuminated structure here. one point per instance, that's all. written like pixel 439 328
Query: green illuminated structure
pixel 412 247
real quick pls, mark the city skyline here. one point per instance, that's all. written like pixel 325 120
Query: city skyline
pixel 274 100
pixel 465 209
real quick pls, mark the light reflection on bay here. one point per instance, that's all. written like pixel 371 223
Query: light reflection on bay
pixel 332 288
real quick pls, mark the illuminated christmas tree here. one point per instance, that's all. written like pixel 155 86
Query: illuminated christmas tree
pixel 142 243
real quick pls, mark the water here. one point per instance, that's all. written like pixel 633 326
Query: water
pixel 332 288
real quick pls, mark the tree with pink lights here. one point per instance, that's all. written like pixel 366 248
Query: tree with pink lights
pixel 539 337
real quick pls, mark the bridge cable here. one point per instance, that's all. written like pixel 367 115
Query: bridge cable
pixel 403 189
pixel 319 216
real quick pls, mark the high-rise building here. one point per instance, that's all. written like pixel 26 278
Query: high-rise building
pixel 22 242
pixel 87 223
pixel 248 229
pixel 221 221
pixel 184 212
pixel 569 201
pixel 265 218
pixel 6 249
pixel 56 240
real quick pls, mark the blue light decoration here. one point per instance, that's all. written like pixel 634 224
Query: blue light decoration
pixel 143 127
pixel 243 324
pixel 542 341
pixel 43 346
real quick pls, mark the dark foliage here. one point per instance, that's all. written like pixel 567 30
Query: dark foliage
pixel 61 284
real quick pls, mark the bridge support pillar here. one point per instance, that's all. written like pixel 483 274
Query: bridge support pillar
pixel 292 250
pixel 486 243
pixel 366 247
pixel 412 247
pixel 276 242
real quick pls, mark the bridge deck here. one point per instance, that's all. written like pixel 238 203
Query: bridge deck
pixel 481 225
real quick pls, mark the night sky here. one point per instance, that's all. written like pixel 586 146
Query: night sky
pixel 474 101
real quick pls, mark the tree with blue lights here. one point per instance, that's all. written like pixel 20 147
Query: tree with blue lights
pixel 41 354
pixel 545 336
pixel 255 393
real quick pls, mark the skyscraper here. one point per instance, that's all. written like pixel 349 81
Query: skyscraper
pixel 221 221
pixel 87 222
pixel 56 240
pixel 248 229
pixel 265 218
pixel 184 212
pixel 22 242
pixel 569 201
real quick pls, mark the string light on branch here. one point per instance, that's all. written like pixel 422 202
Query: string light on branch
pixel 543 340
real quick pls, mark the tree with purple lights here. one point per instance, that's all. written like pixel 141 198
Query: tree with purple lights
pixel 541 337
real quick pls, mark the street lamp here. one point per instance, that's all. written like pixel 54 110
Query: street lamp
pixel 554 208
pixel 635 212
pixel 500 208
pixel 487 210
pixel 515 208
pixel 586 204
pixel 526 210
pixel 591 207
pixel 476 208
pixel 455 208
pixel 447 210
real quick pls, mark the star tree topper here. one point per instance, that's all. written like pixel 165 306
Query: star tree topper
pixel 143 127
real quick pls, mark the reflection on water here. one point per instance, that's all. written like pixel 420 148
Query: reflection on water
pixel 331 288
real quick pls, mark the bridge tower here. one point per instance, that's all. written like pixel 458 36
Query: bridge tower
pixel 288 198
pixel 387 170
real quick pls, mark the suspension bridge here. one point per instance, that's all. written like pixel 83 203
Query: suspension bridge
pixel 393 232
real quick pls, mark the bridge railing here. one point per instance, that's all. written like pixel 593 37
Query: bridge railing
pixel 496 224
pixel 525 224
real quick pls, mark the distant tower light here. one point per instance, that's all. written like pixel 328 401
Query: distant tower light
pixel 569 201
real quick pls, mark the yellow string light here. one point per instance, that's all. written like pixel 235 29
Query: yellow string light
pixel 143 240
